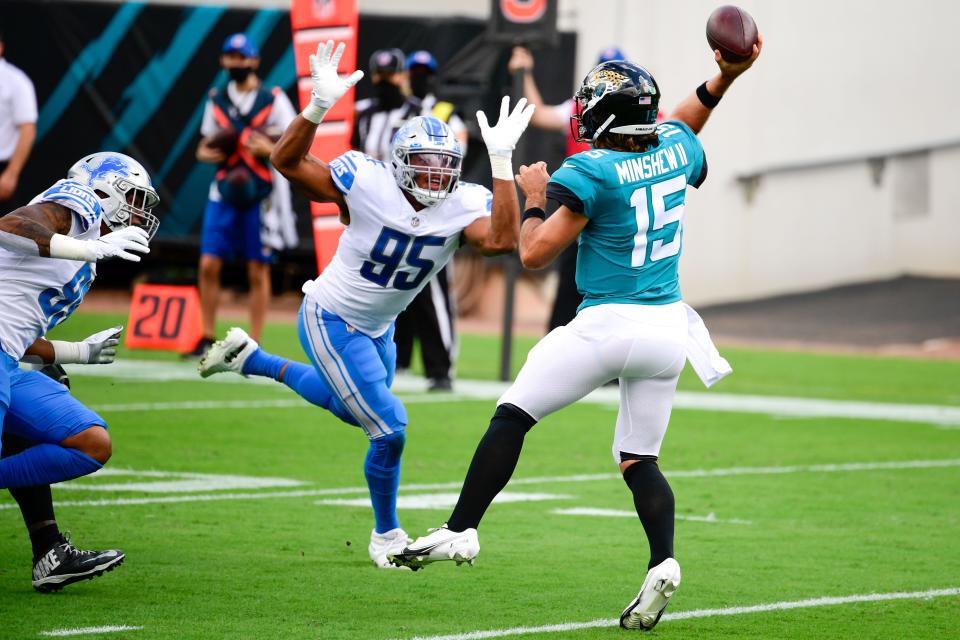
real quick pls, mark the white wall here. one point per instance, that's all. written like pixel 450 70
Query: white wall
pixel 836 79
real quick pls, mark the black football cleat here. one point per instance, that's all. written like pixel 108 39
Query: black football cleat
pixel 64 564
pixel 203 345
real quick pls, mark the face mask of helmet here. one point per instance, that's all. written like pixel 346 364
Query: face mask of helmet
pixel 239 74
pixel 129 205
pixel 430 177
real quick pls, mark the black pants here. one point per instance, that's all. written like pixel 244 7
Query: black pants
pixel 568 297
pixel 429 318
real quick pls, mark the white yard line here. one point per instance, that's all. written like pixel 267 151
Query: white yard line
pixel 441 500
pixel 412 390
pixel 59 633
pixel 705 613
pixel 681 473
pixel 618 513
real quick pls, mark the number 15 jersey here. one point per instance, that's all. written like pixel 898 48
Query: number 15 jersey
pixel 389 251
pixel 630 249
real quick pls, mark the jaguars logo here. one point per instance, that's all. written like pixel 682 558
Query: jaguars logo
pixel 606 77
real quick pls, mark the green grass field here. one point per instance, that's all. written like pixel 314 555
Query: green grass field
pixel 776 506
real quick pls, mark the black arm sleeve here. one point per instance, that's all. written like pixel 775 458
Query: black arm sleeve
pixel 564 196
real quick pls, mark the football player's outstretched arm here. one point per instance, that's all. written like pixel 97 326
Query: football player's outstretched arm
pixel 498 233
pixel 42 230
pixel 695 109
pixel 291 155
pixel 541 241
pixel 100 348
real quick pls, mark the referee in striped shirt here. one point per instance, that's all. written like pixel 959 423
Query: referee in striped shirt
pixel 379 117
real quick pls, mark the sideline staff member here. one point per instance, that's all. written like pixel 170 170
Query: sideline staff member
pixel 18 123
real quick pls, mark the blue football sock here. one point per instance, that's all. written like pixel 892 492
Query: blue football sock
pixel 382 469
pixel 45 464
pixel 261 363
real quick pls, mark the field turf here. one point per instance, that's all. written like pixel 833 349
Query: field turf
pixel 774 509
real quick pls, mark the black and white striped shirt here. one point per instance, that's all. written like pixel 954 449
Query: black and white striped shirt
pixel 374 126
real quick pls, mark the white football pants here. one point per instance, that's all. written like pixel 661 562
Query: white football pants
pixel 642 345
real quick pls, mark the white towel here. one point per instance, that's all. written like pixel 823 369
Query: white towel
pixel 710 366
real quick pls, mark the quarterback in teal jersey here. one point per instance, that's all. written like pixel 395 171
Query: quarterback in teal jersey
pixel 623 200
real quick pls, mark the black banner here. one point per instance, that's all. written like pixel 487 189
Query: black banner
pixel 523 21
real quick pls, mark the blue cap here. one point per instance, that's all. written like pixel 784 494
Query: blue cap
pixel 610 53
pixel 240 43
pixel 422 58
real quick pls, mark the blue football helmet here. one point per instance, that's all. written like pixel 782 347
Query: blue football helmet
pixel 126 193
pixel 425 147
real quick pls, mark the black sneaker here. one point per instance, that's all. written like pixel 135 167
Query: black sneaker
pixel 440 384
pixel 203 345
pixel 63 564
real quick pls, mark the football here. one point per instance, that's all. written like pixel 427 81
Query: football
pixel 733 31
pixel 224 140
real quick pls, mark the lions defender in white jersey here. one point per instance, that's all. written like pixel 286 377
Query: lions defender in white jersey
pixel 404 221
pixel 48 255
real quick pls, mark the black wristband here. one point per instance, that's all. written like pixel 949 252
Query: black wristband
pixel 533 212
pixel 707 99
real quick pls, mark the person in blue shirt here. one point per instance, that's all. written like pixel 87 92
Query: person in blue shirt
pixel 624 200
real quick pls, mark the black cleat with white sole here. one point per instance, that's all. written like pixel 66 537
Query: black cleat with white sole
pixel 64 564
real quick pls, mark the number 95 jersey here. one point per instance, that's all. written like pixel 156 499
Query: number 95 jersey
pixel 389 251
pixel 39 293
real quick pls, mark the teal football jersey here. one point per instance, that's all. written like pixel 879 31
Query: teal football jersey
pixel 630 249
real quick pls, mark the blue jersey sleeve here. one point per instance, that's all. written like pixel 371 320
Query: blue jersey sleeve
pixel 577 177
pixel 696 167
pixel 77 197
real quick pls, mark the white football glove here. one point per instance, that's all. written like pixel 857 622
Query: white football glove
pixel 328 86
pixel 502 139
pixel 116 244
pixel 120 244
pixel 100 348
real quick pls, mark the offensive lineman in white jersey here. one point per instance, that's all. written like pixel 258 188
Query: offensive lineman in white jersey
pixel 404 221
pixel 48 255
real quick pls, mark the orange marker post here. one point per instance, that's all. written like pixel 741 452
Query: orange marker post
pixel 164 317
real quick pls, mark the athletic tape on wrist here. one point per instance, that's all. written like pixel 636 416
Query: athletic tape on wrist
pixel 68 248
pixel 501 167
pixel 314 113
pixel 70 352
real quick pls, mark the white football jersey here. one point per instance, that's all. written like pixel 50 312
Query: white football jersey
pixel 389 252
pixel 40 293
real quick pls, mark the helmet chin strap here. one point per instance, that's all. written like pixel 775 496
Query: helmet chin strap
pixel 602 128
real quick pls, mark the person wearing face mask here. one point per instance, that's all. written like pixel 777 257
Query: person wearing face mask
pixel 422 71
pixel 240 126
pixel 430 317
pixel 380 116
